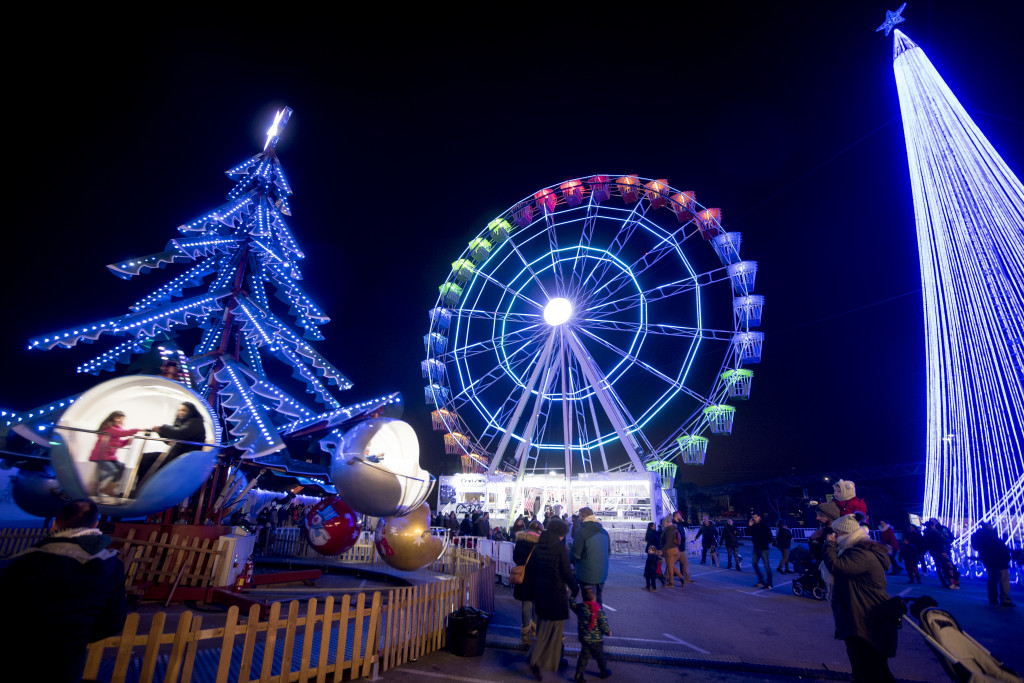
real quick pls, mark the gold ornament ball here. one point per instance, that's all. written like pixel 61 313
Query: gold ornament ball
pixel 405 543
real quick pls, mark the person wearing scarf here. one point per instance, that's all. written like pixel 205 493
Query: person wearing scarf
pixel 860 603
pixel 592 626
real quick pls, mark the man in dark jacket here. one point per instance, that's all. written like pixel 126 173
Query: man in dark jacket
pixel 591 550
pixel 761 537
pixel 708 536
pixel 996 557
pixel 783 541
pixel 859 602
pixel 730 540
pixel 66 591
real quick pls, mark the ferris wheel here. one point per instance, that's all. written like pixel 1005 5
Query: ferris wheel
pixel 600 324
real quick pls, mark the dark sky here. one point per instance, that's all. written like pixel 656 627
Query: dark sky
pixel 412 130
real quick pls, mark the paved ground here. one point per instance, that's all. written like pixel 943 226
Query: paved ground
pixel 721 628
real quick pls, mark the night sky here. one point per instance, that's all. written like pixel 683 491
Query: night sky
pixel 412 130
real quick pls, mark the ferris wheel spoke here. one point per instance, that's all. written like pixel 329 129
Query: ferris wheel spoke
pixel 637 268
pixel 482 384
pixel 662 291
pixel 650 328
pixel 518 295
pixel 674 383
pixel 626 229
pixel 529 268
pixel 586 236
pixel 533 319
pixel 488 345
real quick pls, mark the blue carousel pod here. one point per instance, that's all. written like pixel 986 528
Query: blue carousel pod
pixel 168 486
pixel 37 493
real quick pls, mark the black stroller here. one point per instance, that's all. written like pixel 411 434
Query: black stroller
pixel 963 658
pixel 809 583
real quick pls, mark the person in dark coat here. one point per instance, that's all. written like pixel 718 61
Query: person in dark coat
pixel 654 538
pixel 552 579
pixel 938 546
pixel 996 557
pixel 730 540
pixel 188 426
pixel 825 513
pixel 63 593
pixel 761 538
pixel 910 558
pixel 783 541
pixel 913 534
pixel 708 536
pixel 888 537
pixel 592 628
pixel 466 527
pixel 859 604
pixel 591 551
pixel 526 542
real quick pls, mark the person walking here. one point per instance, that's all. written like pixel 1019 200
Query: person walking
pixel 684 554
pixel 65 592
pixel 551 576
pixel 888 538
pixel 996 557
pixel 938 545
pixel 860 604
pixel 708 536
pixel 592 627
pixel 591 551
pixel 910 557
pixel 730 539
pixel 651 568
pixel 670 551
pixel 783 541
pixel 526 543
pixel 761 537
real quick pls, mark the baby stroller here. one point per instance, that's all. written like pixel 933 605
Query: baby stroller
pixel 963 658
pixel 809 583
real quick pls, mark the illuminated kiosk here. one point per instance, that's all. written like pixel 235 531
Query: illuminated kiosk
pixel 629 498
pixel 562 352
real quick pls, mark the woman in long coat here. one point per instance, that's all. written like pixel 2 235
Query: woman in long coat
pixel 526 542
pixel 859 599
pixel 552 579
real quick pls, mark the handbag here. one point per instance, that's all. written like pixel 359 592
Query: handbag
pixel 517 574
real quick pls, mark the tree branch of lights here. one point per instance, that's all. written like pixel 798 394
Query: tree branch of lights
pixel 969 210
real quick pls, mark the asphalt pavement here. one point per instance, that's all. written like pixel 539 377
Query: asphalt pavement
pixel 722 628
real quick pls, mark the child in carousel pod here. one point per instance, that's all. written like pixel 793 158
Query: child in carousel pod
pixel 592 627
pixel 846 498
pixel 111 435
pixel 651 568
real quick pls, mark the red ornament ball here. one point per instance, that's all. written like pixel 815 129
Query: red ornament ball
pixel 332 527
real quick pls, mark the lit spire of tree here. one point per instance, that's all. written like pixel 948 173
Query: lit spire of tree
pixel 969 209
pixel 234 252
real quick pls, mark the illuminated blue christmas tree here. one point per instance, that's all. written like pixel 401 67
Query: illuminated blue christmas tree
pixel 969 209
pixel 234 253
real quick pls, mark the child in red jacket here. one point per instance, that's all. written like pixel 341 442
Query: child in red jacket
pixel 112 435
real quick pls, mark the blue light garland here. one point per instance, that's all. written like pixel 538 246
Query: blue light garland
pixel 969 209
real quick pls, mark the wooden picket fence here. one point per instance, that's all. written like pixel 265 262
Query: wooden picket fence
pixel 351 637
pixel 168 560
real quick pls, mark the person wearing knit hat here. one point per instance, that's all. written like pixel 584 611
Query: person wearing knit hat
pixel 858 566
pixel 825 513
pixel 551 576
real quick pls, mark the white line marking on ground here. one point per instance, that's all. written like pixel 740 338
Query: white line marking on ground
pixel 447 677
pixel 904 592
pixel 610 609
pixel 683 642
pixel 362 583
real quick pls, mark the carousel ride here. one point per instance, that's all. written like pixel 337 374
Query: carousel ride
pixel 205 426
pixel 588 341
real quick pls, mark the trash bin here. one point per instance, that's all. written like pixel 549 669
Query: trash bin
pixel 467 631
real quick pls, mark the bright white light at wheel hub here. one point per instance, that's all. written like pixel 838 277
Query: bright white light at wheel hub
pixel 557 311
